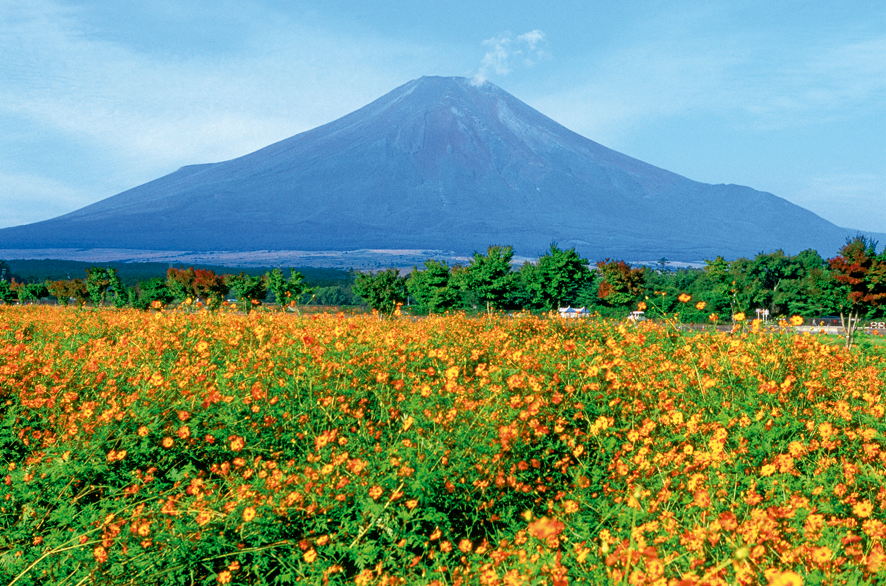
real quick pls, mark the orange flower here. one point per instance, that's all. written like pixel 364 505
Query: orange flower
pixel 184 432
pixel 821 555
pixel 738 316
pixel 310 555
pixel 237 443
pixel 143 431
pixel 684 298
pixel 641 306
pixel 767 470
pixel 542 528
pixel 714 318
pixel 700 305
pixel 796 320
pixel 203 517
pixel 375 492
pixel 465 545
pixel 100 554
pixel 411 504
pixel 248 514
pixel 224 577
pixel 863 509
pixel 702 499
pixel 167 442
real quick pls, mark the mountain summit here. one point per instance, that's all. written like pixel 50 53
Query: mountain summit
pixel 438 163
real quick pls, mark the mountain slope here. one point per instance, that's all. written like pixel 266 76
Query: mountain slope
pixel 438 164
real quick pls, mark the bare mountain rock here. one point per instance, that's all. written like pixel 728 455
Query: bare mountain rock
pixel 438 163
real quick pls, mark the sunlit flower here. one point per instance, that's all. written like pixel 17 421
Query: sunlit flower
pixel 543 528
pixel 375 492
pixel 167 442
pixel 248 514
pixel 738 316
pixel 702 499
pixel 684 298
pixel 863 509
pixel 787 578
pixel 237 443
pixel 100 554
pixel 641 306
pixel 714 318
pixel 143 431
pixel 224 577
pixel 310 555
pixel 700 305
pixel 796 320
pixel 821 555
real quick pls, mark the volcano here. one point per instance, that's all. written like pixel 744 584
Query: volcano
pixel 438 164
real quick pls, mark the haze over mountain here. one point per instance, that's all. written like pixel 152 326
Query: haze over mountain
pixel 439 164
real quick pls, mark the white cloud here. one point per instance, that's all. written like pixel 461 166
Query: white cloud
pixel 504 50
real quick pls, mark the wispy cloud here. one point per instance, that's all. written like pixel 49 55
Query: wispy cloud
pixel 136 111
pixel 732 77
pixel 504 52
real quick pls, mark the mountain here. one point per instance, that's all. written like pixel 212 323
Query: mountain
pixel 438 163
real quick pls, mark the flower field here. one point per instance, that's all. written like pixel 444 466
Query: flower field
pixel 215 448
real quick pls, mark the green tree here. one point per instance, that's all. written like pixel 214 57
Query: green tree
pixel 28 292
pixel 432 288
pixel 555 280
pixel 97 284
pixel 861 275
pixel 146 292
pixel 7 295
pixel 249 289
pixel 489 276
pixel 287 290
pixel 382 291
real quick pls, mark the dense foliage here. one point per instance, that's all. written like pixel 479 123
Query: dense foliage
pixel 197 447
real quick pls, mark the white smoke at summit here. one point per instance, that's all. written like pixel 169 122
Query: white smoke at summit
pixel 504 52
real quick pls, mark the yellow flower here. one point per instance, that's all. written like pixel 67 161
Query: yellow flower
pixel 248 514
pixel 767 470
pixel 700 305
pixel 863 509
pixel 310 555
pixel 167 442
pixel 684 298
pixel 796 320
pixel 224 577
pixel 738 316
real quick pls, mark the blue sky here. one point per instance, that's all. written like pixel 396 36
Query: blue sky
pixel 788 97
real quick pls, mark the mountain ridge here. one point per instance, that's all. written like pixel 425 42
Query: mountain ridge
pixel 438 163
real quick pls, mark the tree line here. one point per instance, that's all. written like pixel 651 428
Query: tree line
pixel 852 284
pixel 201 287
